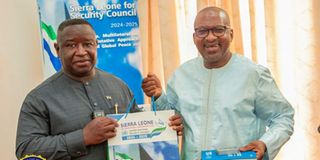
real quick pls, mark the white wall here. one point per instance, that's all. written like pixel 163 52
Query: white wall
pixel 20 65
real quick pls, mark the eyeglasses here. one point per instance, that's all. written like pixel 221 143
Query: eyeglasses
pixel 217 31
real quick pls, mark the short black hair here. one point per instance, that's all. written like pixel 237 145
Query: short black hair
pixel 70 22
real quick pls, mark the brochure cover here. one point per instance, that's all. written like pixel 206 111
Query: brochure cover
pixel 144 136
pixel 214 155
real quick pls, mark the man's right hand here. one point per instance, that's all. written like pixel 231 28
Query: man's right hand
pixel 99 130
pixel 151 86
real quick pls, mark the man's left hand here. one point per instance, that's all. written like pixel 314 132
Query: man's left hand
pixel 258 146
pixel 176 122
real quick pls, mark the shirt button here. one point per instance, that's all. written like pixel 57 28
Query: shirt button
pixel 95 103
pixel 79 153
pixel 87 83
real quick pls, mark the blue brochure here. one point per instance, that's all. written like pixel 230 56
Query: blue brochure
pixel 216 155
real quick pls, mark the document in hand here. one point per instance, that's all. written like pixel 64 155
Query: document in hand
pixel 215 155
pixel 144 136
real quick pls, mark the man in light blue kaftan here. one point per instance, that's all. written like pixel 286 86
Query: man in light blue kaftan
pixel 226 100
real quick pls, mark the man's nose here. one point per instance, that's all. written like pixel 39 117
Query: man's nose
pixel 81 50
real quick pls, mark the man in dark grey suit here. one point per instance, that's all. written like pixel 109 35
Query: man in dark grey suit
pixel 56 117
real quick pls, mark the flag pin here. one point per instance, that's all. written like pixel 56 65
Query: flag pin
pixel 108 97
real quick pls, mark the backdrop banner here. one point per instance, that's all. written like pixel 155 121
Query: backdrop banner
pixel 117 27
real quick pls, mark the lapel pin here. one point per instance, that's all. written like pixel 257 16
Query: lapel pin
pixel 116 108
pixel 109 98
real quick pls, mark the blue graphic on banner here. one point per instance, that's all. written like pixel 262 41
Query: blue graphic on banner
pixel 117 28
pixel 54 60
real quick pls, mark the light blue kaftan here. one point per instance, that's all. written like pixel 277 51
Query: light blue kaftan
pixel 228 107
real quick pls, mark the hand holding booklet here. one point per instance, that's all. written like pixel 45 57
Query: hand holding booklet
pixel 144 136
pixel 228 154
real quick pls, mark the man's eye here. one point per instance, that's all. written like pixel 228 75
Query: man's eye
pixel 89 44
pixel 203 31
pixel 219 30
pixel 71 45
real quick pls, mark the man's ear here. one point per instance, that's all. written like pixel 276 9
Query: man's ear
pixel 194 38
pixel 56 46
pixel 231 34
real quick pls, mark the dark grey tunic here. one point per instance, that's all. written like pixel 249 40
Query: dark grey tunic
pixel 54 113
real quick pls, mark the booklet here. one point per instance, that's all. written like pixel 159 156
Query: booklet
pixel 216 155
pixel 144 136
